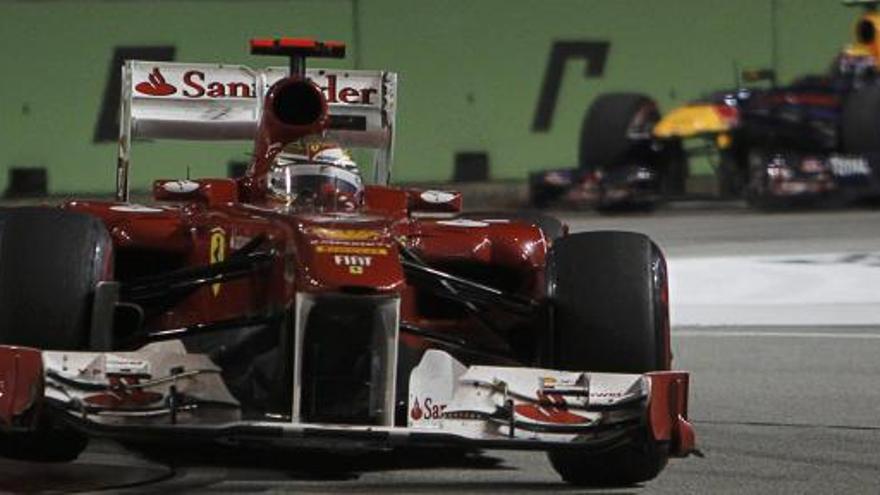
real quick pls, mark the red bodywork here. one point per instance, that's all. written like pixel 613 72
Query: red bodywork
pixel 310 249
pixel 314 249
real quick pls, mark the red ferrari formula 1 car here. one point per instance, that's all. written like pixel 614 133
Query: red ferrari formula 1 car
pixel 297 308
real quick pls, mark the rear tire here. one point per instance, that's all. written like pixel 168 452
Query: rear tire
pixel 608 294
pixel 50 262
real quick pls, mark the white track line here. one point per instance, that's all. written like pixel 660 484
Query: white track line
pixel 794 335
pixel 817 289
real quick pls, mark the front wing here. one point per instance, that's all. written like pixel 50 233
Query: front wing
pixel 796 175
pixel 625 184
pixel 161 393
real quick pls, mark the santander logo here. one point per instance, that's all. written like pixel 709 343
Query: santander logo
pixel 416 412
pixel 429 410
pixel 156 85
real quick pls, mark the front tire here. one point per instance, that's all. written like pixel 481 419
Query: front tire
pixel 608 295
pixel 617 129
pixel 50 263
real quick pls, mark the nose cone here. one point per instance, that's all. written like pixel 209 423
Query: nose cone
pixel 692 120
pixel 341 255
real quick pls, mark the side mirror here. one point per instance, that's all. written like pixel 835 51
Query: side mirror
pixel 434 201
pixel 210 191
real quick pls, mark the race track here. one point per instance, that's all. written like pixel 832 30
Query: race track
pixel 778 407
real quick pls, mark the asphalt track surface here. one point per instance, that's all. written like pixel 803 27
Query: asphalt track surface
pixel 777 409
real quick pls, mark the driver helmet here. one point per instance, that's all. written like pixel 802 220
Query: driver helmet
pixel 316 174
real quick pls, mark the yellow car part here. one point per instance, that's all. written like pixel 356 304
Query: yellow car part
pixel 694 120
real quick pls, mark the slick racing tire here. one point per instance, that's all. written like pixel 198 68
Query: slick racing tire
pixel 609 313
pixel 617 129
pixel 50 263
pixel 860 121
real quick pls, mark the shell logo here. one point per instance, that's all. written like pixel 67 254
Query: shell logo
pixel 346 234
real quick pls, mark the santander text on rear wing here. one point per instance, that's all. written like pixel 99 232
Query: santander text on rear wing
pixel 223 102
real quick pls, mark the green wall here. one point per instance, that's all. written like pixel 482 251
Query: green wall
pixel 471 70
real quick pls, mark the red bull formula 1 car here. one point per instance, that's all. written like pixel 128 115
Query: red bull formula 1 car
pixel 295 308
pixel 813 141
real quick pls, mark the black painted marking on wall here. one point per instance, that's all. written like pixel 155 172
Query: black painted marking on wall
pixel 471 166
pixel 27 182
pixel 594 52
pixel 107 127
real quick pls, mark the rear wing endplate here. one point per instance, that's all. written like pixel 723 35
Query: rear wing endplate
pixel 168 100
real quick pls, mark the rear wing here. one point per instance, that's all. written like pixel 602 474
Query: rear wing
pixel 168 100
